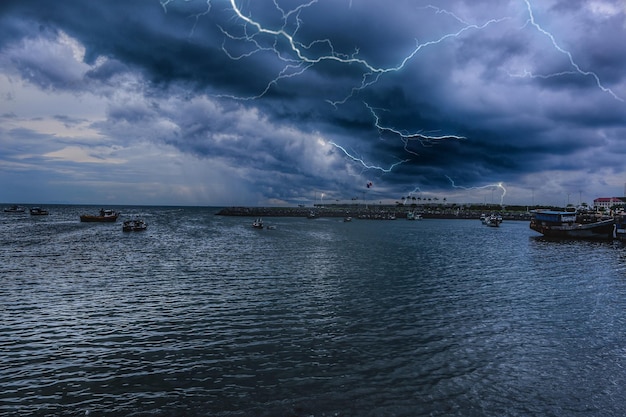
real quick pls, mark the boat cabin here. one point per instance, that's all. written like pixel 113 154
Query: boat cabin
pixel 555 216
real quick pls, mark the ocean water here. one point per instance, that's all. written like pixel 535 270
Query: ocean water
pixel 202 315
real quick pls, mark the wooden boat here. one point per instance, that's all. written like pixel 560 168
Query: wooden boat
pixel 136 225
pixel 105 216
pixel 38 211
pixel 565 224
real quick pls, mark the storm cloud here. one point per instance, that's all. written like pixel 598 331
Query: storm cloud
pixel 277 102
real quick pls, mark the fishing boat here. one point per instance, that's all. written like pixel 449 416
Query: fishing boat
pixel 566 224
pixel 258 223
pixel 493 220
pixel 105 216
pixel 38 211
pixel 135 225
pixel 14 209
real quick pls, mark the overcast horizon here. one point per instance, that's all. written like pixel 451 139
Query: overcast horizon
pixel 272 103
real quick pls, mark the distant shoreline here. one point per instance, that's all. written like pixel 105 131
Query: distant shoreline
pixel 373 212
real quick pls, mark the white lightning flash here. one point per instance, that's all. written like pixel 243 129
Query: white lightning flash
pixel 578 70
pixel 300 58
pixel 406 137
pixel 365 165
pixel 484 187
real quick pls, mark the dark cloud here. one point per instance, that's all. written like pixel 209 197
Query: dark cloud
pixel 515 97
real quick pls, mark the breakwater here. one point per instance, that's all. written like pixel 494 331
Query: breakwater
pixel 378 212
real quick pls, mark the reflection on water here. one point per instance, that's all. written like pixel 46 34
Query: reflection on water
pixel 203 315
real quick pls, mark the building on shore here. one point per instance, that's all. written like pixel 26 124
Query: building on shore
pixel 607 202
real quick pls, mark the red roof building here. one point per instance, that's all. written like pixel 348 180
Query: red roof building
pixel 608 202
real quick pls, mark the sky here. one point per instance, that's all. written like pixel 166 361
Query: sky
pixel 278 103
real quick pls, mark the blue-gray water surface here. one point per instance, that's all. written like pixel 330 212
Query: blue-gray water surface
pixel 202 315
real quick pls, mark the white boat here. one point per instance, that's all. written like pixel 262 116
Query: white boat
pixel 258 223
pixel 15 209
pixel 38 211
pixel 136 225
pixel 493 220
pixel 411 215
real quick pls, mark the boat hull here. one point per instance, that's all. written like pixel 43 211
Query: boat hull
pixel 602 230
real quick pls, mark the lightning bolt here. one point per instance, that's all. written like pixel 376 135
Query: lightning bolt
pixel 493 186
pixel 406 137
pixel 577 70
pixel 298 58
pixel 365 165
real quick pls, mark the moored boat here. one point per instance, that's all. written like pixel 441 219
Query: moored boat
pixel 258 223
pixel 565 224
pixel 135 225
pixel 38 211
pixel 105 216
pixel 620 227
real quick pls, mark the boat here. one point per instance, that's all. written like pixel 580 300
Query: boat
pixel 135 225
pixel 411 215
pixel 483 218
pixel 347 219
pixel 620 227
pixel 311 215
pixel 105 216
pixel 567 224
pixel 257 224
pixel 493 220
pixel 38 211
pixel 14 209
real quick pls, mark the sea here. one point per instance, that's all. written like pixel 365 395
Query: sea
pixel 203 315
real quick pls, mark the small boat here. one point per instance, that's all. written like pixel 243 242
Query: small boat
pixel 347 219
pixel 483 218
pixel 257 224
pixel 14 209
pixel 311 215
pixel 38 211
pixel 105 216
pixel 136 225
pixel 566 224
pixel 411 215
pixel 493 220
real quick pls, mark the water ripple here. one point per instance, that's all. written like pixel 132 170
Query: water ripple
pixel 203 315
